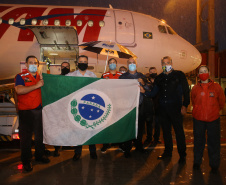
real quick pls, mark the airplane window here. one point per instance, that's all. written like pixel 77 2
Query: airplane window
pixel 0 20
pixel 11 21
pixel 101 23
pixel 34 21
pixel 57 22
pixel 68 23
pixel 162 28
pixel 45 22
pixel 171 31
pixel 90 23
pixel 22 21
pixel 79 23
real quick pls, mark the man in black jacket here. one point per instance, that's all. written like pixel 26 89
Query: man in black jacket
pixel 173 91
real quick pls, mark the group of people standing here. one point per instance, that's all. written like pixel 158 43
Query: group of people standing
pixel 164 98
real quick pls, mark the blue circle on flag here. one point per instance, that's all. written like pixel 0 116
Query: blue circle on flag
pixel 91 107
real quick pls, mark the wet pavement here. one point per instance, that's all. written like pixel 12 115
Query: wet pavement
pixel 112 168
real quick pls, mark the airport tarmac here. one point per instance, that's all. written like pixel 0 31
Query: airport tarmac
pixel 112 168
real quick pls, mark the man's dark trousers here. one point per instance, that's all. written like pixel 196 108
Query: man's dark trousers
pixel 170 115
pixel 31 121
pixel 213 141
pixel 78 149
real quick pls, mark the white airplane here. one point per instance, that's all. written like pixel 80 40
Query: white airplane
pixel 55 32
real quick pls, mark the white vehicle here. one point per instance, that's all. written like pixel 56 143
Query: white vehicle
pixel 8 118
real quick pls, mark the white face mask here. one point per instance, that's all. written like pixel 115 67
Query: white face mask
pixel 132 67
pixel 167 68
pixel 33 68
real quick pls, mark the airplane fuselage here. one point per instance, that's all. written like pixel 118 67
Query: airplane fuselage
pixel 147 37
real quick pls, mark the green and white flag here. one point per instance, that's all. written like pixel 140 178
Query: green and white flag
pixel 84 110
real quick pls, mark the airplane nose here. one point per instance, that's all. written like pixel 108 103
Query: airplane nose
pixel 195 58
pixel 191 57
pixel 188 57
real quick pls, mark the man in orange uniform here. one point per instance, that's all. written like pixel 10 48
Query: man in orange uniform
pixel 28 88
pixel 207 100
pixel 111 74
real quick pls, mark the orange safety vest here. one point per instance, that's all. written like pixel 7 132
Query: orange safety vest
pixel 32 99
pixel 111 76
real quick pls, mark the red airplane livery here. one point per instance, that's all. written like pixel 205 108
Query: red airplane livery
pixel 63 14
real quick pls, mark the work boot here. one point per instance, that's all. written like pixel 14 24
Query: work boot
pixel 56 153
pixel 28 167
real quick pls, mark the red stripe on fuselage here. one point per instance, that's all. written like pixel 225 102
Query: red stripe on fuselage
pixel 91 33
pixel 3 8
pixel 3 27
pixel 24 35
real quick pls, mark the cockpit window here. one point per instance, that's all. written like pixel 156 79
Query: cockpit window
pixel 162 28
pixel 171 31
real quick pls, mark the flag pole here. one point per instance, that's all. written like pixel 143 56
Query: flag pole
pixel 106 64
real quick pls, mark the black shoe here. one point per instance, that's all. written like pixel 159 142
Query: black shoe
pixel 142 150
pixel 196 166
pixel 155 142
pixel 127 154
pixel 56 153
pixel 93 155
pixel 122 148
pixel 76 157
pixel 182 160
pixel 43 159
pixel 47 152
pixel 28 167
pixel 104 149
pixel 147 142
pixel 214 170
pixel 164 156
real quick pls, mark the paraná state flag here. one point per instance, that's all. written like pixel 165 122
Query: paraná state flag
pixel 84 110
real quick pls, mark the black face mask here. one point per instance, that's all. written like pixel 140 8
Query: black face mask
pixel 153 75
pixel 65 71
pixel 82 66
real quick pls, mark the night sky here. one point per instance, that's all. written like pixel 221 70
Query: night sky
pixel 179 14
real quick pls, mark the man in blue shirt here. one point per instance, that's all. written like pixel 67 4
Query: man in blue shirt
pixel 133 74
pixel 28 89
pixel 82 71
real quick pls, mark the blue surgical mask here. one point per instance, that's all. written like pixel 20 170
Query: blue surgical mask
pixel 167 68
pixel 132 67
pixel 112 66
pixel 33 68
